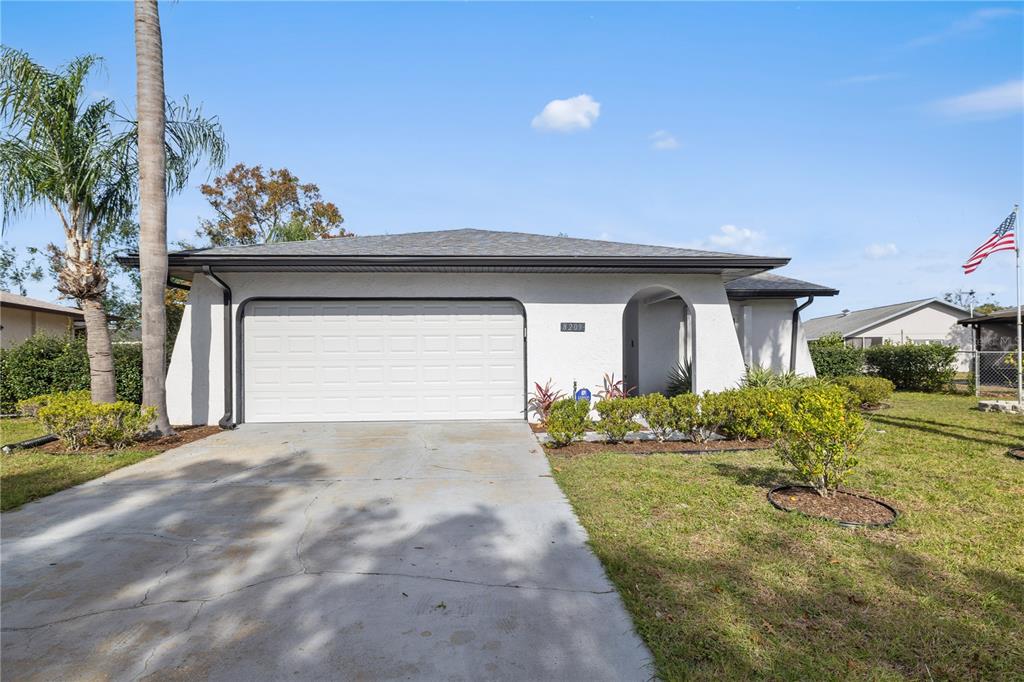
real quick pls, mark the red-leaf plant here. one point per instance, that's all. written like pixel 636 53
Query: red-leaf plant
pixel 614 388
pixel 542 398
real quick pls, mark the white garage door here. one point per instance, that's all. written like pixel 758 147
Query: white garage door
pixel 310 361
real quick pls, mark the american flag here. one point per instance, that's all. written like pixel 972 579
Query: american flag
pixel 1003 239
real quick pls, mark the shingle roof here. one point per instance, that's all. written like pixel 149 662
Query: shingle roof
pixel 456 243
pixel 1004 315
pixel 847 324
pixel 16 301
pixel 768 284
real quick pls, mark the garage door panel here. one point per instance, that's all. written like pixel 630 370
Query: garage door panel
pixel 383 360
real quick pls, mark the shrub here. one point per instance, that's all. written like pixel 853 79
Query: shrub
pixel 568 420
pixel 679 380
pixel 820 437
pixel 49 364
pixel 617 417
pixel 119 424
pixel 77 421
pixel 711 414
pixel 656 410
pixel 867 391
pixel 685 412
pixel 752 413
pixel 542 398
pixel 910 367
pixel 833 358
pixel 31 406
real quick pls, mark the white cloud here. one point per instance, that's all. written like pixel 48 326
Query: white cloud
pixel 662 140
pixel 1006 98
pixel 865 78
pixel 567 115
pixel 878 251
pixel 733 238
pixel 972 23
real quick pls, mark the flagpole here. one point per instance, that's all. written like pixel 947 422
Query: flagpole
pixel 1020 366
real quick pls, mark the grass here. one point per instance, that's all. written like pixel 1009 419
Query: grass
pixel 723 586
pixel 26 475
pixel 18 429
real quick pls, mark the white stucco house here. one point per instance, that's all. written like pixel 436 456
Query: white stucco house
pixel 458 324
pixel 927 320
pixel 22 317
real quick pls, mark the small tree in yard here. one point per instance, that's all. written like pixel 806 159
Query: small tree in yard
pixel 820 437
pixel 79 157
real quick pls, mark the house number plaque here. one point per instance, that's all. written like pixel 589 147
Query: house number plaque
pixel 574 326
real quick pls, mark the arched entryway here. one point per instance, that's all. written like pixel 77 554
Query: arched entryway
pixel 657 334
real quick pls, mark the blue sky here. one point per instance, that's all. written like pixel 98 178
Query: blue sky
pixel 876 144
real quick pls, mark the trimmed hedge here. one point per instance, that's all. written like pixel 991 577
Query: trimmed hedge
pixel 50 364
pixel 833 358
pixel 869 391
pixel 911 367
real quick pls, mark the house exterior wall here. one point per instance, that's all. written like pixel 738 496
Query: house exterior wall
pixel 764 328
pixel 934 322
pixel 195 376
pixel 20 324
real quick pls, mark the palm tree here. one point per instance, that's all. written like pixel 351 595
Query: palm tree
pixel 149 74
pixel 79 158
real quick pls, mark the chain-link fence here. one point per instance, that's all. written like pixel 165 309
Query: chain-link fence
pixel 987 373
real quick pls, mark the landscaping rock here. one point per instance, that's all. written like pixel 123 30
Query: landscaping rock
pixel 999 406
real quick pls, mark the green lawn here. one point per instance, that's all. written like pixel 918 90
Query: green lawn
pixel 26 475
pixel 19 429
pixel 721 585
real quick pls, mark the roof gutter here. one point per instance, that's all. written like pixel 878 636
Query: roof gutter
pixel 795 332
pixel 224 263
pixel 227 421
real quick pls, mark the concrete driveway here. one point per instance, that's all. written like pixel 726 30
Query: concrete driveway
pixel 326 551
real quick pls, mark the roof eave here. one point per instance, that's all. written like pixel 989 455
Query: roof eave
pixel 196 261
pixel 739 294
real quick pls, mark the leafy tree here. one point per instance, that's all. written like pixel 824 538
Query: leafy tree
pixel 14 273
pixel 80 158
pixel 257 207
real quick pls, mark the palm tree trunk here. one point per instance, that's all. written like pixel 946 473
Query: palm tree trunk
pixel 152 207
pixel 101 353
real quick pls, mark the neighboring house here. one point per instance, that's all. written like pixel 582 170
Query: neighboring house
pixel 928 320
pixel 995 331
pixel 22 317
pixel 458 324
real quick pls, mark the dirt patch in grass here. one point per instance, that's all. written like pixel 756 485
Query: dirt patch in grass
pixel 650 447
pixel 843 507
pixel 184 435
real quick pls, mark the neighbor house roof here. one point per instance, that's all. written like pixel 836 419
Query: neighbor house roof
pixel 468 249
pixel 1005 315
pixel 9 300
pixel 771 285
pixel 855 321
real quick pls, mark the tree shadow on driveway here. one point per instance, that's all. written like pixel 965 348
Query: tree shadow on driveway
pixel 217 569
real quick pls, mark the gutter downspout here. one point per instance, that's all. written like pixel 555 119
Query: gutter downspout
pixel 795 332
pixel 227 421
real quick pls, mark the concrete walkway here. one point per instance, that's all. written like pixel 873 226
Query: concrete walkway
pixel 316 551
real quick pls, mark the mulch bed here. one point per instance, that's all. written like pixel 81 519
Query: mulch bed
pixel 846 508
pixel 650 447
pixel 1016 452
pixel 184 435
